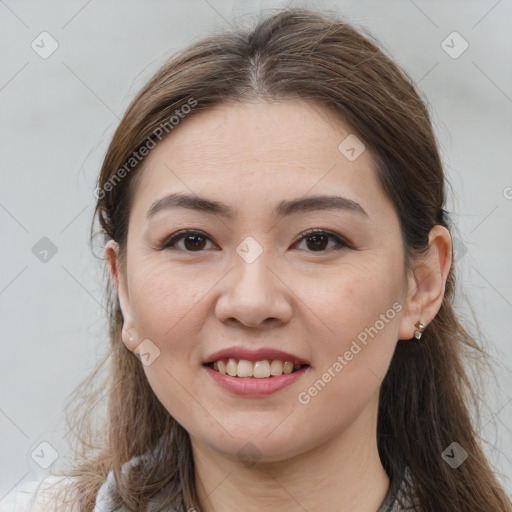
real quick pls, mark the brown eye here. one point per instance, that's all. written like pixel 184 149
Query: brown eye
pixel 317 241
pixel 193 241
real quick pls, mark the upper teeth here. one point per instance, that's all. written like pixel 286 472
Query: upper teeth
pixel 258 369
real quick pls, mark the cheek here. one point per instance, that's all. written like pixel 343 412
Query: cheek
pixel 354 296
pixel 168 310
pixel 360 309
pixel 165 300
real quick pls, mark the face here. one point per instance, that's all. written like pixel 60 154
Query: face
pixel 249 278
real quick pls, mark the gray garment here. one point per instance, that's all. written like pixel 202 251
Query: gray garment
pixel 108 494
pixel 394 496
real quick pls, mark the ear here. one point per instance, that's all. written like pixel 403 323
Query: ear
pixel 118 275
pixel 427 282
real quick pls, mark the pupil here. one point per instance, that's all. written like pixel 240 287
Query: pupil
pixel 197 241
pixel 195 244
pixel 318 245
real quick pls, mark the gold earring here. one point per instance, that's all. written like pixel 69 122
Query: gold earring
pixel 419 330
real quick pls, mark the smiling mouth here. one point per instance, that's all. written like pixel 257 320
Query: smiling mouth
pixel 254 369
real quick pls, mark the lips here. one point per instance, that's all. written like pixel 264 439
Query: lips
pixel 255 387
pixel 255 373
pixel 260 354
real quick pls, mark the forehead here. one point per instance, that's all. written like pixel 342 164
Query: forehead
pixel 259 152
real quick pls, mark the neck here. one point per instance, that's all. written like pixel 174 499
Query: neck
pixel 343 474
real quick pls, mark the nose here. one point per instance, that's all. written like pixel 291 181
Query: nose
pixel 254 295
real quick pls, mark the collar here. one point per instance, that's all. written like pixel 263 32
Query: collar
pixel 108 497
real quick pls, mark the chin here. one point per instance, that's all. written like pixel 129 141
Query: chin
pixel 256 445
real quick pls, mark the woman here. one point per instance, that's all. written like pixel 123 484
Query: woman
pixel 281 321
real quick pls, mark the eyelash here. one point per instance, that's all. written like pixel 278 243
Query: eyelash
pixel 169 242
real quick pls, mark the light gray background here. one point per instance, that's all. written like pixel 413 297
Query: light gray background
pixel 59 113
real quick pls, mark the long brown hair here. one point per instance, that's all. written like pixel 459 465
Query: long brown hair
pixel 426 396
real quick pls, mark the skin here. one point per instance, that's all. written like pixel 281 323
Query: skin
pixel 319 456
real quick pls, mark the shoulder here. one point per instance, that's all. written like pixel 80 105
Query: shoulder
pixel 38 496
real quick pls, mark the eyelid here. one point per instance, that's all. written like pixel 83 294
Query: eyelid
pixel 168 241
pixel 341 241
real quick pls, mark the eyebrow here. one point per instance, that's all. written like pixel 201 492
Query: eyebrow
pixel 284 208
